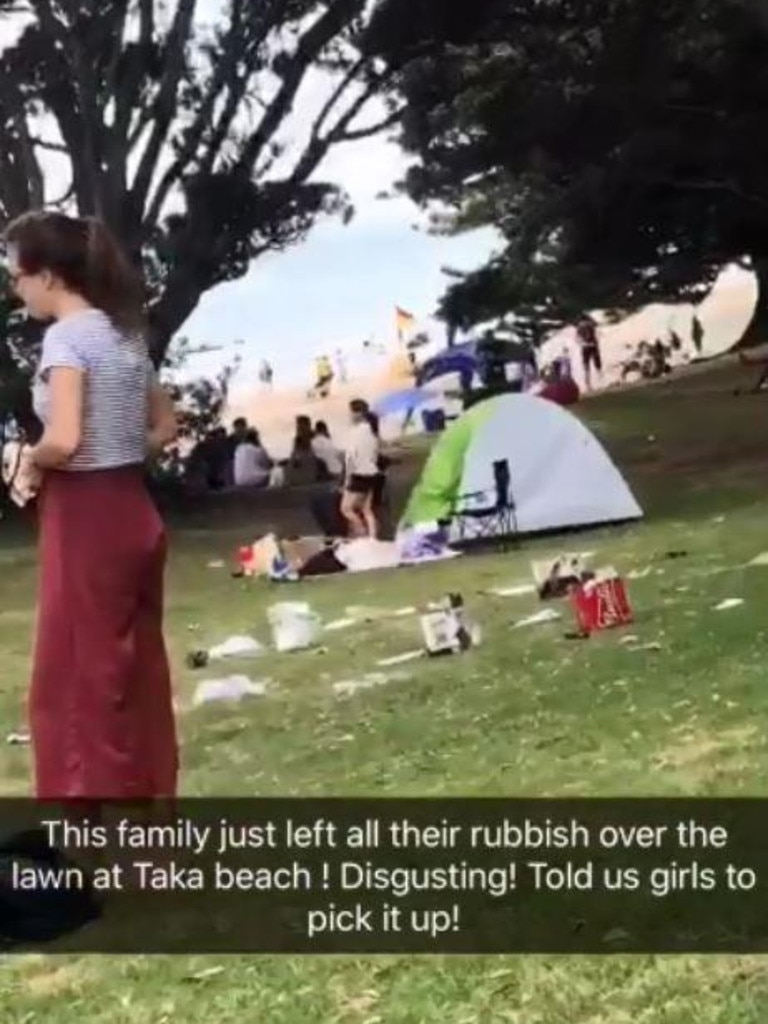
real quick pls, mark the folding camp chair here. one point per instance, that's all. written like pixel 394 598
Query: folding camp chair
pixel 477 520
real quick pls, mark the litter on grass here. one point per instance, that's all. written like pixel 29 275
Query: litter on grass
pixel 640 574
pixel 18 739
pixel 205 975
pixel 728 604
pixel 401 659
pixel 371 681
pixel 759 560
pixel 295 627
pixel 228 691
pixel 338 624
pixel 521 590
pixel 217 564
pixel 236 647
pixel 539 619
pixel 446 628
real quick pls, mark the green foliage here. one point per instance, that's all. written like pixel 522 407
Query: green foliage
pixel 200 401
pixel 619 147
pixel 19 348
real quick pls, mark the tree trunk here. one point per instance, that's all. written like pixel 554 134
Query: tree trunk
pixel 174 307
pixel 757 332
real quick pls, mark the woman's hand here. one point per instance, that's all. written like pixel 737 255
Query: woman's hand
pixel 28 479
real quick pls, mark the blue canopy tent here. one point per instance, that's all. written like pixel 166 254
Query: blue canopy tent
pixel 461 359
pixel 405 401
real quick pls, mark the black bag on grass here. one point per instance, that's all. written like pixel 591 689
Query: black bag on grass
pixel 28 917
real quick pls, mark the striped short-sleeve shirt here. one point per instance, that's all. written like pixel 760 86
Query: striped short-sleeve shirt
pixel 117 377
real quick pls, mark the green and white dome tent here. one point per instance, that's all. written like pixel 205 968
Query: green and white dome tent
pixel 561 477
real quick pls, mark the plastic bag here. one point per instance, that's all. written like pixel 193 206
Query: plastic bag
pixel 228 691
pixel 236 647
pixel 295 627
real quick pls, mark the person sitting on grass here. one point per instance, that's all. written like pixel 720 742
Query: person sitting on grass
pixel 330 461
pixel 253 465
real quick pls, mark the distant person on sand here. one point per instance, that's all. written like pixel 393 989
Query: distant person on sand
pixel 589 343
pixel 323 377
pixel 564 364
pixel 266 373
pixel 330 459
pixel 697 334
pixel 341 366
pixel 661 365
pixel 253 465
pixel 362 472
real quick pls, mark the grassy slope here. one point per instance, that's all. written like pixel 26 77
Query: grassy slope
pixel 528 713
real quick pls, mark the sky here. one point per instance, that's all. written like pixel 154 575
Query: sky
pixel 340 287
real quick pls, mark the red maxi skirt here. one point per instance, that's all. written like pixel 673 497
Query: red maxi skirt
pixel 101 707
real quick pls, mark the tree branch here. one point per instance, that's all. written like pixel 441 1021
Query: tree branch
pixel 714 186
pixel 118 33
pixel 164 106
pixel 351 76
pixel 80 127
pixel 64 199
pixel 224 76
pixel 127 96
pixel 310 46
pixel 53 147
pixel 30 163
pixel 374 129
pixel 320 144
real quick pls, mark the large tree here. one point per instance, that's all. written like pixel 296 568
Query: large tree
pixel 620 146
pixel 178 131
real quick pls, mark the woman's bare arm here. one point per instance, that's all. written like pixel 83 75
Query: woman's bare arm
pixel 63 432
pixel 162 428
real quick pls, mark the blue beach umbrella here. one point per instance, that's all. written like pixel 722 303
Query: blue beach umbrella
pixel 403 402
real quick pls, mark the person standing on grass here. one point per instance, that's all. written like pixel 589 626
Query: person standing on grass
pixel 361 472
pixel 589 343
pixel 101 710
pixel 697 334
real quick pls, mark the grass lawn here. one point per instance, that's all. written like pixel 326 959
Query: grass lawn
pixel 529 713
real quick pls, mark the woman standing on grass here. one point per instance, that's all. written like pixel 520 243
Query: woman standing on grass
pixel 101 709
pixel 361 472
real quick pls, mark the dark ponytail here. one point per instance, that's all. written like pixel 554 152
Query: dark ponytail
pixel 115 284
pixel 361 408
pixel 86 257
pixel 373 422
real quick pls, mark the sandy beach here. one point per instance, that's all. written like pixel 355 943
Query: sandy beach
pixel 725 315
pixel 274 412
